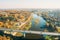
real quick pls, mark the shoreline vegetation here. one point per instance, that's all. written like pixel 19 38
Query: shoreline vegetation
pixel 15 19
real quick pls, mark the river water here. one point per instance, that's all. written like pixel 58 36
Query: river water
pixel 40 25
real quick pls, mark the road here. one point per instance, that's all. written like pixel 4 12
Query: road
pixel 32 32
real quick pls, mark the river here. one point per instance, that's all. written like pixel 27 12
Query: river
pixel 40 25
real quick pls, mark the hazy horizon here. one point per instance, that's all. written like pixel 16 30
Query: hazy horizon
pixel 51 4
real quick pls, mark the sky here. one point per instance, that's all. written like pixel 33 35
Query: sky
pixel 30 4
